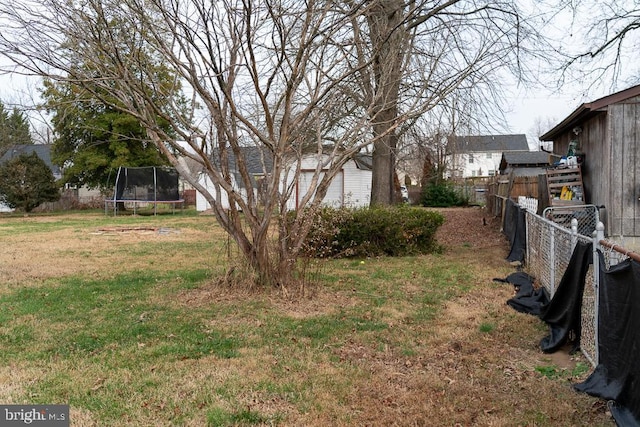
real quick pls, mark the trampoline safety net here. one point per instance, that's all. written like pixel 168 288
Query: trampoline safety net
pixel 151 183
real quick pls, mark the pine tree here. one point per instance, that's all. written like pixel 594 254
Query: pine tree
pixel 14 129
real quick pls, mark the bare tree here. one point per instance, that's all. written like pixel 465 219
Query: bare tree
pixel 286 79
pixel 539 127
pixel 272 76
pixel 422 52
pixel 599 41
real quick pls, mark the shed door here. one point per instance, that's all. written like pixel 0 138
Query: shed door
pixel 335 194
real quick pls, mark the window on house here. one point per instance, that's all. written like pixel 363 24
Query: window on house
pixel 492 173
pixel 474 173
pixel 489 156
pixel 470 158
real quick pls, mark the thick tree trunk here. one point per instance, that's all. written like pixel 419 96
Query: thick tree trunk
pixel 388 39
pixel 384 160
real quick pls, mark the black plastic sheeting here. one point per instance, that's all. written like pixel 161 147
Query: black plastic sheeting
pixel 564 311
pixel 515 228
pixel 617 376
pixel 527 299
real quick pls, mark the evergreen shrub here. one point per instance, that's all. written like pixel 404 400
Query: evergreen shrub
pixel 370 232
pixel 442 194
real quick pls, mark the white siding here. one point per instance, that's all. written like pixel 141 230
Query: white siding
pixel 335 193
pixel 482 163
pixel 201 203
pixel 353 184
pixel 5 208
pixel 357 186
pixel 350 188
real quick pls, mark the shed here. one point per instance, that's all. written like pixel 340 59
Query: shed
pixel 605 134
pixel 350 188
pixel 258 161
pixel 530 163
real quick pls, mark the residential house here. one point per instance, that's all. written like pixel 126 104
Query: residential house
pixel 605 135
pixel 480 155
pixel 42 150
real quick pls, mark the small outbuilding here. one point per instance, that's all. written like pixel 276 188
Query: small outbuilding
pixel 351 187
pixel 529 163
pixel 604 135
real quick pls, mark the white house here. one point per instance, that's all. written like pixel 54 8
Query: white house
pixel 351 187
pixel 480 155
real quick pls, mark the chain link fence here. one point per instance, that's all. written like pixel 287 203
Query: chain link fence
pixel 587 216
pixel 549 248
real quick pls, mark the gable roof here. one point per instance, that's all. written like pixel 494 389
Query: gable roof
pixel 363 161
pixel 529 158
pixel 532 163
pixel 588 110
pixel 42 150
pixel 485 143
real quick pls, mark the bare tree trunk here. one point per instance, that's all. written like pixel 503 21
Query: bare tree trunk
pixel 385 19
pixel 384 161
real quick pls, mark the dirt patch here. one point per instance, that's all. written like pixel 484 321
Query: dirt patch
pixel 469 227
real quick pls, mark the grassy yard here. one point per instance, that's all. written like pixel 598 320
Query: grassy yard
pixel 125 319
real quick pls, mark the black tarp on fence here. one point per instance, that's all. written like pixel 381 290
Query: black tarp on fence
pixel 617 376
pixel 515 228
pixel 564 311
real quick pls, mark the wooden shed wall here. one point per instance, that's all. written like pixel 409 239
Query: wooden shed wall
pixel 596 145
pixel 624 206
pixel 611 172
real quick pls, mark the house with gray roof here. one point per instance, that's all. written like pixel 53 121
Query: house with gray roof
pixel 42 150
pixel 480 155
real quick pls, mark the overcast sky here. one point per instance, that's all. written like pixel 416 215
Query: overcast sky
pixel 523 107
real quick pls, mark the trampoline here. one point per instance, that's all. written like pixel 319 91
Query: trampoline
pixel 138 187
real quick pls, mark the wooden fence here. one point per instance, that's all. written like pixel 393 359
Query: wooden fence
pixel 503 187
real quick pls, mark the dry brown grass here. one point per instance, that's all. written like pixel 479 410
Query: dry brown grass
pixel 456 374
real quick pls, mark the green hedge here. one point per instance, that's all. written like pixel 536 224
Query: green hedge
pixel 369 232
pixel 442 194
